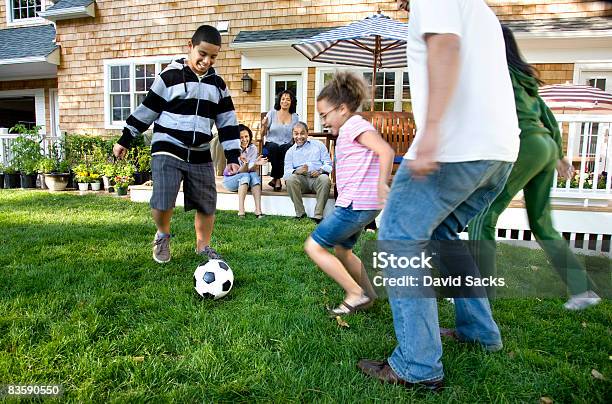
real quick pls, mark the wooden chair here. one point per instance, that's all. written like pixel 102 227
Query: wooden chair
pixel 397 128
pixel 260 136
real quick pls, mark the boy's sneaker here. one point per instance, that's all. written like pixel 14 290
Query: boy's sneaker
pixel 582 300
pixel 209 253
pixel 161 249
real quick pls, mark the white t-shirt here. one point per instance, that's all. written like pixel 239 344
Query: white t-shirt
pixel 480 122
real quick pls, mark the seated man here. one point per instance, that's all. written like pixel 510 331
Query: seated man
pixel 307 169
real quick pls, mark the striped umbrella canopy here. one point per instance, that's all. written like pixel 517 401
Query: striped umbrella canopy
pixel 572 98
pixel 377 42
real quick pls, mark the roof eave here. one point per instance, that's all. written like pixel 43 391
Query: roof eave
pixel 52 58
pixel 564 34
pixel 69 13
pixel 263 44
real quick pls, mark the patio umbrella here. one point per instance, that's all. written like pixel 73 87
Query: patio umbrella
pixel 573 98
pixel 377 42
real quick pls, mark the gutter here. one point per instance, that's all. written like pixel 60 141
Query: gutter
pixel 69 13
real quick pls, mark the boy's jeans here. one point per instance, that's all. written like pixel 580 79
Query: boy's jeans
pixel 438 207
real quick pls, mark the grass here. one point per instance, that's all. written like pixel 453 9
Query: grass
pixel 83 304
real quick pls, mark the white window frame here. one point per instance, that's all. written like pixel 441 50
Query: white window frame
pixel 398 93
pixel 131 62
pixel 579 68
pixel 39 104
pixel 23 21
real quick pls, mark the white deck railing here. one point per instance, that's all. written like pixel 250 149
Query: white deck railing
pixel 586 139
pixel 6 141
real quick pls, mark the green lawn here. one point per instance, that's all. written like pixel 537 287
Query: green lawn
pixel 83 304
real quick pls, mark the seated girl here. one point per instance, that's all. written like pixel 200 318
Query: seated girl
pixel 247 176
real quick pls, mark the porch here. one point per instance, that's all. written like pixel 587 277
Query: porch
pixel 587 227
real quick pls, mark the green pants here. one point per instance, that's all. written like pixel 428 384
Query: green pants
pixel 533 172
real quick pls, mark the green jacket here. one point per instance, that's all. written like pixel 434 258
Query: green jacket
pixel 534 116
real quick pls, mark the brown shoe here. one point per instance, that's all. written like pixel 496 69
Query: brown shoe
pixel 385 374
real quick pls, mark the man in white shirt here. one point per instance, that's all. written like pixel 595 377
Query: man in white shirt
pixel 307 169
pixel 467 139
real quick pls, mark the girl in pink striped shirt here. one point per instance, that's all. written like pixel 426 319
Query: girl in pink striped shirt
pixel 363 170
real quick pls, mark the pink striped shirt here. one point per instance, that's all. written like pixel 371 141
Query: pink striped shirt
pixel 357 167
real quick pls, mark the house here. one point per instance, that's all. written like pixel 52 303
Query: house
pixel 81 66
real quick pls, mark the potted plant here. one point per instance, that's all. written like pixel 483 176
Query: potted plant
pixel 45 165
pixel 143 163
pixel 122 182
pixel 94 181
pixel 11 177
pixel 81 176
pixel 108 172
pixel 56 173
pixel 26 154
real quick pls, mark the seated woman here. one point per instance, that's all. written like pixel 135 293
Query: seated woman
pixel 277 126
pixel 246 177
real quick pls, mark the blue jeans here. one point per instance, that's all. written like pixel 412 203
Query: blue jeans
pixel 232 183
pixel 438 207
pixel 343 227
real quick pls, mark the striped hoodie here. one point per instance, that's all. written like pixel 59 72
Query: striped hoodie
pixel 184 110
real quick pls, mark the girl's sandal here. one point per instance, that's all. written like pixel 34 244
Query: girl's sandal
pixel 346 309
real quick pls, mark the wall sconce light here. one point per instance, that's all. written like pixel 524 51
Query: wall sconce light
pixel 247 83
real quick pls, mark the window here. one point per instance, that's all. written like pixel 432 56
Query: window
pixel 127 84
pixel 22 9
pixel 406 97
pixel 597 83
pixel 392 92
pixel 384 92
pixel 144 76
pixel 120 92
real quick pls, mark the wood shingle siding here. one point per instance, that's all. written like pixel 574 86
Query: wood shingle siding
pixel 556 73
pixel 131 29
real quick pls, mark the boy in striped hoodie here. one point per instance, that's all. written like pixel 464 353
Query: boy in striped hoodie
pixel 184 101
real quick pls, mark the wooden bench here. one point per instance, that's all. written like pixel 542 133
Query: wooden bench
pixel 397 128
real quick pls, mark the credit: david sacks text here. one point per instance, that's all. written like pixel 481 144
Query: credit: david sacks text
pixel 427 280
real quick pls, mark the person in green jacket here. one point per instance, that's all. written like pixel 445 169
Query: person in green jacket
pixel 541 151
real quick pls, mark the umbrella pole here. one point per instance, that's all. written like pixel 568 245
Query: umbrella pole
pixel 376 53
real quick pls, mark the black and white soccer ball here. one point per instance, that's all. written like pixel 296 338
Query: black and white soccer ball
pixel 213 280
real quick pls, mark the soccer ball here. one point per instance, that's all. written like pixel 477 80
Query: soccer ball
pixel 213 280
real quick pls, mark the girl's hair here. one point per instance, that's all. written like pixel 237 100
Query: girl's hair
pixel 293 101
pixel 514 58
pixel 302 124
pixel 344 88
pixel 242 127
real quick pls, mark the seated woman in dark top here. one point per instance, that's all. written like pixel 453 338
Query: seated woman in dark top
pixel 277 126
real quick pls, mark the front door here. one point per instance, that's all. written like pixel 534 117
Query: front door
pixel 283 82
